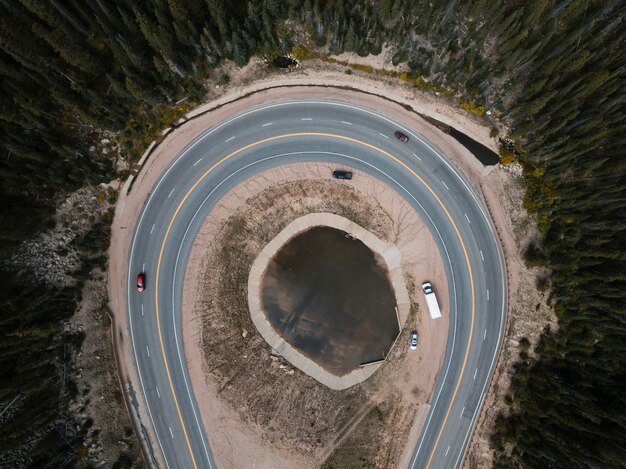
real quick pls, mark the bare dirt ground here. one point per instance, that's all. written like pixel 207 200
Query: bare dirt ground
pixel 501 191
pixel 289 419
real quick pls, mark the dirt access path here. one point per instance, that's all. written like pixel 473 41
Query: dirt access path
pixel 387 99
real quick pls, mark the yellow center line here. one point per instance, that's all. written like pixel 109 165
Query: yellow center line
pixel 279 137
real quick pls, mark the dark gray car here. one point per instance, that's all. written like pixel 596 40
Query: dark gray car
pixel 339 174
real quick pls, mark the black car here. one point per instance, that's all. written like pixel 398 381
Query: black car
pixel 338 174
pixel 400 136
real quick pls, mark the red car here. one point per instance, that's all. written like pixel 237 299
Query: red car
pixel 400 136
pixel 141 282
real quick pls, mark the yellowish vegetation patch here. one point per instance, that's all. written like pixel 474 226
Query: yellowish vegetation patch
pixel 474 109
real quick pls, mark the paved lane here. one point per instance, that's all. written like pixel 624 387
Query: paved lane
pixel 350 137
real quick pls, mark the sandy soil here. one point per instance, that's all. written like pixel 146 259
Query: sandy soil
pixel 252 79
pixel 409 378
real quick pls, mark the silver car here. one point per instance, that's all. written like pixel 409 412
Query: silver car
pixel 413 340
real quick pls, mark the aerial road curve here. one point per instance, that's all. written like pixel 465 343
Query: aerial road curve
pixel 348 136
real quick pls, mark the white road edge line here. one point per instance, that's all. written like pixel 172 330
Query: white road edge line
pixel 444 161
pixel 453 280
pixel 197 162
pixel 201 137
pixel 446 186
pixel 132 334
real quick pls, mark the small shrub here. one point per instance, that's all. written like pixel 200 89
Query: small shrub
pixel 507 156
pixel 420 83
pixel 534 256
pixel 470 107
pixel 363 68
pixel 537 172
pixel 123 461
pixel 524 344
pixel 112 195
pixel 302 53
pixel 387 73
pixel 543 222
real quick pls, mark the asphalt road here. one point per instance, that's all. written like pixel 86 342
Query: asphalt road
pixel 349 137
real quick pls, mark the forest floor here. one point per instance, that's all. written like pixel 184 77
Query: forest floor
pixel 502 190
pixel 99 405
pixel 56 257
pixel 111 437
